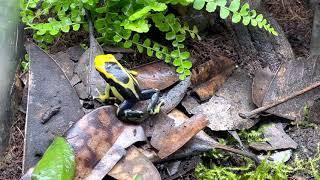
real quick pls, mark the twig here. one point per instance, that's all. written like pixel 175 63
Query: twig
pixel 237 151
pixel 247 115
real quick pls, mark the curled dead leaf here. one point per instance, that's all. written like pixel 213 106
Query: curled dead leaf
pixel 158 75
pixel 99 140
pixel 207 89
pixel 167 141
pixel 209 69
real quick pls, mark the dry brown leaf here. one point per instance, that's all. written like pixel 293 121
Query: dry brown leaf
pixel 207 89
pixel 223 108
pixel 48 88
pixel 209 69
pixel 134 164
pixel 100 135
pixel 167 141
pixel 292 77
pixel 260 85
pixel 158 75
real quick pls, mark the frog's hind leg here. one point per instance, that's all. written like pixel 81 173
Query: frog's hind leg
pixel 156 103
pixel 126 114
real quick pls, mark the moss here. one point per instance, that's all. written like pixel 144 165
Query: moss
pixel 265 170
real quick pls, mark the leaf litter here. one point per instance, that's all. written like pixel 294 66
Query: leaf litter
pixel 222 109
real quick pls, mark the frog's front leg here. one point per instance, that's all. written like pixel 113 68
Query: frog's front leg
pixel 126 114
pixel 103 97
pixel 154 96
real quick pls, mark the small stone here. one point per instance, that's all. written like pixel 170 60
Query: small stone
pixel 81 91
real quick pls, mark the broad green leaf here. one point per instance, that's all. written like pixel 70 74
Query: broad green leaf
pixel 180 37
pixel 245 9
pixel 235 5
pixel 156 6
pixel 149 52
pixel 170 35
pixel 140 26
pixel 147 43
pixel 262 23
pixel 156 46
pixel 187 64
pixel 140 48
pixel 167 59
pixel 175 43
pixel 117 38
pixel 211 6
pixel 140 13
pixel 187 72
pixel 180 70
pixel 181 46
pixel 184 55
pixel 198 4
pixel 159 54
pixel 182 76
pixel 246 20
pixel 224 13
pixel 236 18
pixel 54 32
pixel 259 18
pixel 41 32
pixel 58 162
pixel 102 10
pixel 177 62
pixel 274 32
pixel 65 28
pixel 136 38
pixel 76 27
pixel 253 13
pixel 175 54
pixel 221 3
pixel 127 44
pixel 254 22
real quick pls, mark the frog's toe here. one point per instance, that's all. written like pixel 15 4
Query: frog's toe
pixel 156 109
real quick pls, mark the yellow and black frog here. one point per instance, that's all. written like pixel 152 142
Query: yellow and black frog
pixel 125 88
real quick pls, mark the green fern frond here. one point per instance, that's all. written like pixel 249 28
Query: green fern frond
pixel 178 58
pixel 237 12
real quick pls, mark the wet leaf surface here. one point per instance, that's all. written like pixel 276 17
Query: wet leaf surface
pixel 223 108
pixel 101 136
pixel 48 87
pixel 58 162
pixel 293 77
pixel 133 164
pixel 276 139
pixel 158 75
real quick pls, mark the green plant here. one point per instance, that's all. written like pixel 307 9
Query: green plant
pixel 25 63
pixel 252 135
pixel 126 23
pixel 311 166
pixel 265 170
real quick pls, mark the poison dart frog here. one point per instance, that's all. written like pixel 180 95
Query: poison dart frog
pixel 125 88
